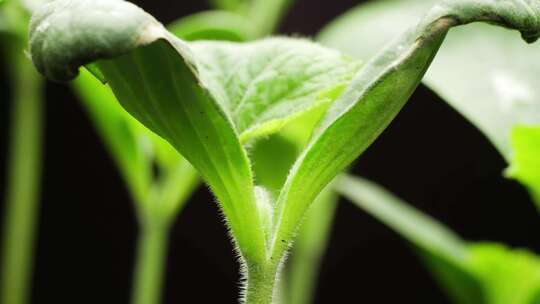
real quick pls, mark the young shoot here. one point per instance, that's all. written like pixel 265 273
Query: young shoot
pixel 212 100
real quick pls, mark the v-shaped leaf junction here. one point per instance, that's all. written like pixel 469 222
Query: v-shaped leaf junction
pixel 208 99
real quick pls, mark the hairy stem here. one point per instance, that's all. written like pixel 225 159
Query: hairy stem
pixel 23 179
pixel 309 249
pixel 260 285
pixel 150 264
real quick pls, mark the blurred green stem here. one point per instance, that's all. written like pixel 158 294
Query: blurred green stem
pixel 150 263
pixel 267 15
pixel 23 178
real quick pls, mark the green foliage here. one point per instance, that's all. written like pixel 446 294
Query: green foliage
pixel 482 71
pixel 471 273
pixel 213 100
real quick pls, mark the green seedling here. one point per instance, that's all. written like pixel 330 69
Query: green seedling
pixel 480 273
pixel 499 93
pixel 213 100
pixel 135 149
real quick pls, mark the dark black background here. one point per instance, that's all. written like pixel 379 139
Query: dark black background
pixel 430 156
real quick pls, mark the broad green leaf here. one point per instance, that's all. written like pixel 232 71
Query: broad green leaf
pixel 213 25
pixel 202 97
pixel 376 95
pixel 185 114
pixel 472 273
pixel 525 163
pixel 482 71
pixel 265 84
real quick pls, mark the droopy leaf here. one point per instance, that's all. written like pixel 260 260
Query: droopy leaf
pixel 375 96
pixel 500 88
pixel 202 97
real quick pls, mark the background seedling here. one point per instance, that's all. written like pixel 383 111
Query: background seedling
pixel 469 272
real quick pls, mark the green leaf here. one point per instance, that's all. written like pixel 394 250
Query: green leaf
pixel 266 84
pixel 375 96
pixel 526 158
pixel 482 71
pixel 209 98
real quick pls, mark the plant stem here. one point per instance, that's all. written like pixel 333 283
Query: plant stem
pixel 23 179
pixel 260 284
pixel 149 267
pixel 309 249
